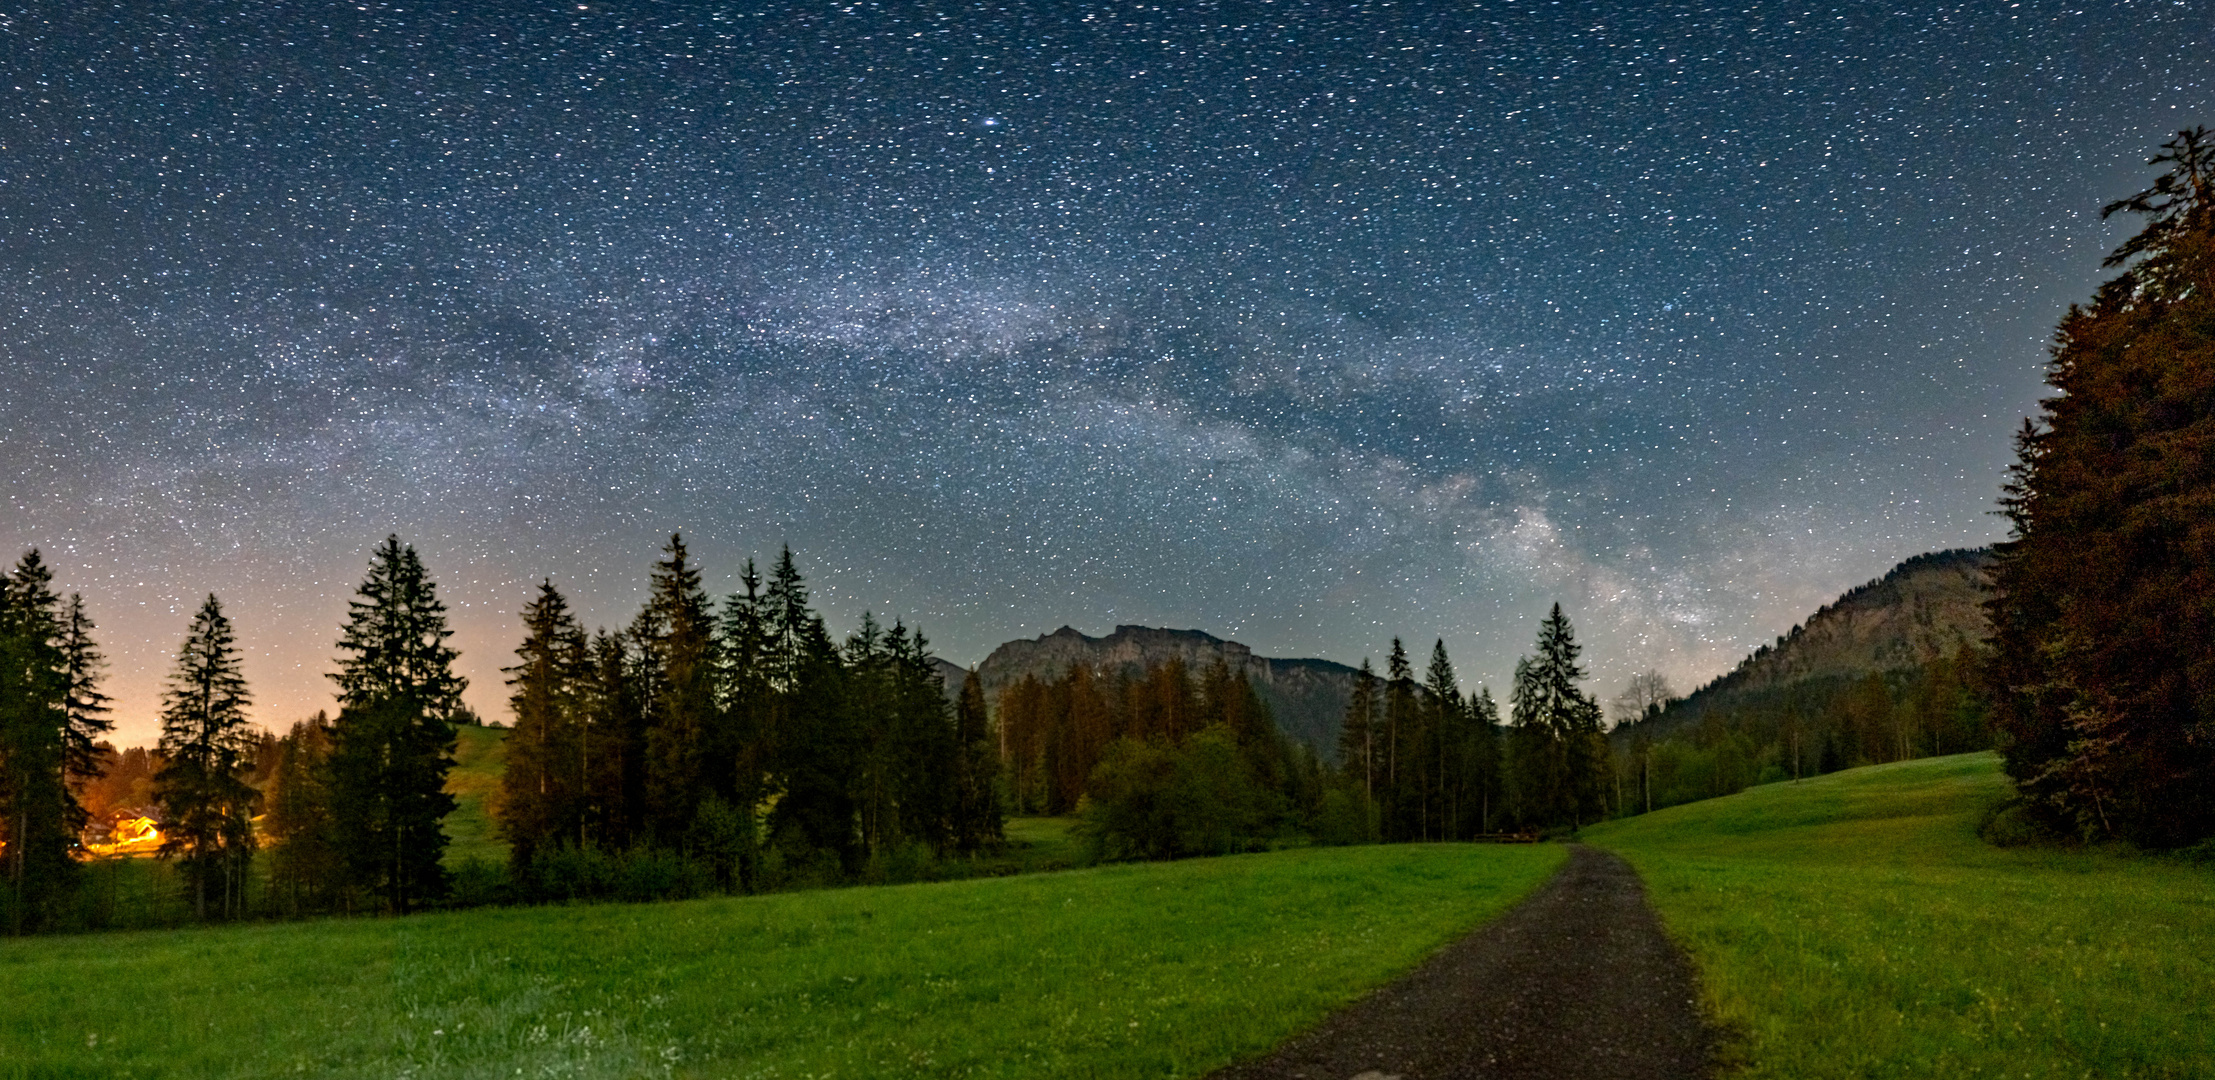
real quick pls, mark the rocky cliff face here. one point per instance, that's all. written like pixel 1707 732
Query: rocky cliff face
pixel 951 674
pixel 1308 697
pixel 1925 608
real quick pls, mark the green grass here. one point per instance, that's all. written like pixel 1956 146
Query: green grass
pixel 1153 970
pixel 480 755
pixel 1038 843
pixel 1855 926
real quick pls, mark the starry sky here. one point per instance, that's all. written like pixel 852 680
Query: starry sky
pixel 1306 324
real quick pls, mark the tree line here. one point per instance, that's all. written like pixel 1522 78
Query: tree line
pixel 703 747
pixel 1160 763
pixel 1671 751
pixel 1420 760
pixel 383 777
pixel 736 746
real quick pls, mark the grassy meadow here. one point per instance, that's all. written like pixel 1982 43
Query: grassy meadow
pixel 480 757
pixel 1152 970
pixel 1854 925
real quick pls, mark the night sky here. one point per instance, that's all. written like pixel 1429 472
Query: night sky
pixel 1306 324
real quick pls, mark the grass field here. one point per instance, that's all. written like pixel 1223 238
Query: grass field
pixel 1855 926
pixel 480 755
pixel 1154 970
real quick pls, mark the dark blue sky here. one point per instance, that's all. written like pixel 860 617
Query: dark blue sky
pixel 1304 324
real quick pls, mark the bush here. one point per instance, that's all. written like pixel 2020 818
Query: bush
pixel 1346 817
pixel 2008 823
pixel 1150 800
pixel 655 874
pixel 901 863
pixel 721 835
pixel 570 873
pixel 477 882
pixel 1125 812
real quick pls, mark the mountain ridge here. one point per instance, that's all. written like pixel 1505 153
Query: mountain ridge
pixel 1926 608
pixel 1307 695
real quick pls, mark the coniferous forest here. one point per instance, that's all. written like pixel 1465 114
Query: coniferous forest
pixel 729 745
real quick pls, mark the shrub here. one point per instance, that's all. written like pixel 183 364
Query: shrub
pixel 1152 800
pixel 1346 817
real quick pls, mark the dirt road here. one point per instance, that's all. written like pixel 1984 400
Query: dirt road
pixel 1576 983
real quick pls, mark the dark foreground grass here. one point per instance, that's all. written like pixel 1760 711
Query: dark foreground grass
pixel 1126 971
pixel 1855 926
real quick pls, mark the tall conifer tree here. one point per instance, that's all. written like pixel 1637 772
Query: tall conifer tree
pixel 305 869
pixel 740 749
pixel 1447 748
pixel 84 708
pixel 977 820
pixel 816 742
pixel 615 715
pixel 1559 749
pixel 207 805
pixel 545 788
pixel 675 634
pixel 395 736
pixel 36 807
pixel 1402 740
pixel 1357 734
pixel 1484 725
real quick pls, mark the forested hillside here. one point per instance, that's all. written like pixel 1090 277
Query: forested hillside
pixel 1884 673
pixel 1923 610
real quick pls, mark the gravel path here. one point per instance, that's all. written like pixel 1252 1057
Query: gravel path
pixel 1576 983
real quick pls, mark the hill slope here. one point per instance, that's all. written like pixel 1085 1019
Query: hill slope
pixel 1308 697
pixel 1923 610
pixel 1853 925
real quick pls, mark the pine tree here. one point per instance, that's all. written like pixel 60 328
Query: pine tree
pixel 1357 736
pixel 977 819
pixel 1447 749
pixel 1022 742
pixel 84 707
pixel 929 746
pixel 1084 724
pixel 869 697
pixel 305 868
pixel 615 720
pixel 1485 763
pixel 207 805
pixel 545 789
pixel 1400 807
pixel 394 736
pixel 676 637
pixel 36 807
pixel 1558 748
pixel 2103 680
pixel 788 622
pixel 816 743
pixel 741 749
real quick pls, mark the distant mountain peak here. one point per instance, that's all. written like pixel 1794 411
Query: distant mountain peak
pixel 1308 697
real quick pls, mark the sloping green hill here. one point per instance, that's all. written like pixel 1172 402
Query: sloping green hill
pixel 1854 925
pixel 480 756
